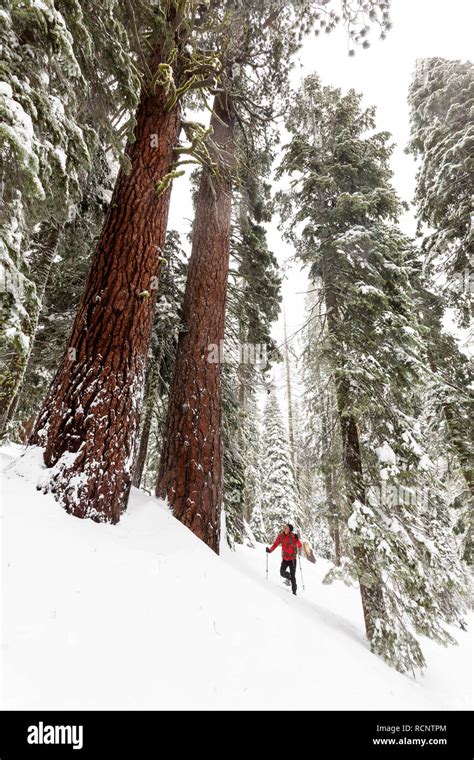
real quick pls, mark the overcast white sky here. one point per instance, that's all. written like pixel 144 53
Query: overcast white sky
pixel 421 28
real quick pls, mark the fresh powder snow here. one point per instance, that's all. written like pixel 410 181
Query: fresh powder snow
pixel 143 615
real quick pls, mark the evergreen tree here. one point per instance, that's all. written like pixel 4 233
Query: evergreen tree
pixel 289 400
pixel 43 149
pixel 253 484
pixel 320 449
pixel 257 523
pixel 441 102
pixel 280 500
pixel 367 269
pixel 234 464
pixel 252 306
pixel 63 285
pixel 449 381
pixel 254 277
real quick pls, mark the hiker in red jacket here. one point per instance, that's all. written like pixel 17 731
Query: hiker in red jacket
pixel 290 543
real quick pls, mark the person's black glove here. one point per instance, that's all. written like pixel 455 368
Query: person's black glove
pixel 297 537
pixel 267 550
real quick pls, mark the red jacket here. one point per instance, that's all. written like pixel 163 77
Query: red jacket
pixel 288 545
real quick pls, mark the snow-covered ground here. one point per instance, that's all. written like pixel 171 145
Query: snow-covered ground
pixel 143 615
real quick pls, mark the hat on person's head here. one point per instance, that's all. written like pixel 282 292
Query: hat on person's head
pixel 290 527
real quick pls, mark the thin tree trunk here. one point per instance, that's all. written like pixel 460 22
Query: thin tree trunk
pixel 44 250
pixel 246 508
pixel 328 470
pixel 190 474
pixel 90 417
pixel 333 518
pixel 337 545
pixel 151 387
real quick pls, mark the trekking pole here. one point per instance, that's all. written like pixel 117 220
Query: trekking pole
pixel 301 571
pixel 267 565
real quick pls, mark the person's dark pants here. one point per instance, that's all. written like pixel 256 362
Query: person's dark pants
pixel 289 564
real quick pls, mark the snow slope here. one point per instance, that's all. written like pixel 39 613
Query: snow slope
pixel 143 615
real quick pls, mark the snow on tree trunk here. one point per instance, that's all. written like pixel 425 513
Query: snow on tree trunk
pixel 190 474
pixel 336 534
pixel 371 592
pixel 91 414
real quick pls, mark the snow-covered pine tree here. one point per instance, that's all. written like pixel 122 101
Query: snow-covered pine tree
pixel 242 490
pixel 254 289
pixel 446 408
pixel 234 452
pixel 441 102
pixel 341 208
pixel 257 523
pixel 252 306
pixel 320 456
pixel 290 402
pixel 280 500
pixel 63 286
pixel 44 147
pixel 449 382
pixel 253 485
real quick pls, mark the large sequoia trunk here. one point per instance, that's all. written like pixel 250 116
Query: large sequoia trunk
pixel 190 474
pixel 90 417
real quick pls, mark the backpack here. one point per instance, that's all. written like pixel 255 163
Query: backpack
pixel 294 542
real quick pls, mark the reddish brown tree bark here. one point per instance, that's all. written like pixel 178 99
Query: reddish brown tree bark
pixel 91 414
pixel 190 474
